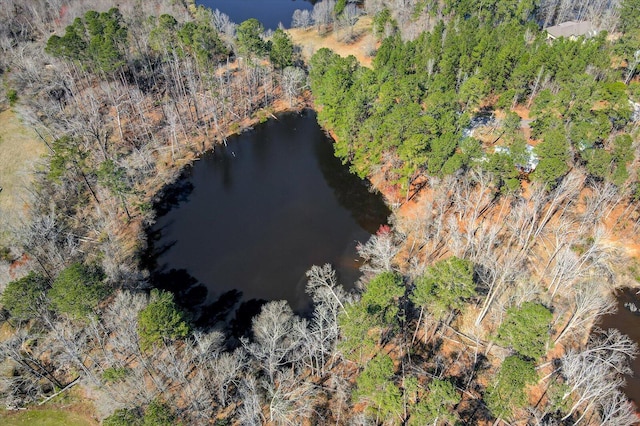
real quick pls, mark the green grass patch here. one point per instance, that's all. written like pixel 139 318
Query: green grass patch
pixel 43 418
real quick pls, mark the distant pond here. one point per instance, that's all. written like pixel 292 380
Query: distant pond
pixel 269 12
pixel 247 220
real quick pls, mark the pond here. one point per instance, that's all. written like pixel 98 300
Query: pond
pixel 627 322
pixel 269 12
pixel 247 220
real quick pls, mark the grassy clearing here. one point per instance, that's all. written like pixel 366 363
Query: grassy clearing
pixel 48 417
pixel 19 150
pixel 361 43
pixel 69 408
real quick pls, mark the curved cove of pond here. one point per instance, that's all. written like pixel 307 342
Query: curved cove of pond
pixel 269 12
pixel 247 220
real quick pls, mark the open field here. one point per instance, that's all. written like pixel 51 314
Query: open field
pixel 48 417
pixel 360 45
pixel 19 151
pixel 69 408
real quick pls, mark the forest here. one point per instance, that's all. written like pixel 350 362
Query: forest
pixel 478 304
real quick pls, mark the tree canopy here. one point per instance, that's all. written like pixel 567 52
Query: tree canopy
pixel 161 320
pixel 413 107
pixel 99 39
pixel 437 406
pixel 375 385
pixel 445 286
pixel 381 296
pixel 629 15
pixel 526 329
pixel 378 308
pixel 77 291
pixel 507 391
pixel 25 298
pixel 249 35
pixel 281 49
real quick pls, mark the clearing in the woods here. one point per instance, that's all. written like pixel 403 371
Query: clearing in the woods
pixel 358 41
pixel 48 417
pixel 20 149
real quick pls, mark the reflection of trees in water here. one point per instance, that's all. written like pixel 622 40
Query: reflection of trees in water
pixel 368 209
pixel 223 156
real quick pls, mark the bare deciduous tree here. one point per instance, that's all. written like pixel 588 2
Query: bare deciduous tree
pixel 594 374
pixel 379 252
pixel 223 23
pixel 19 347
pixel 293 80
pixel 226 373
pixel 322 14
pixel 349 17
pixel 321 332
pixel 589 302
pixel 301 19
pixel 289 398
pixel 275 341
pixel 250 412
pixel 323 287
pixel 618 410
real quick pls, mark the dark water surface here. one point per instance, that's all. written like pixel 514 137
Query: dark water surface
pixel 628 323
pixel 269 12
pixel 248 220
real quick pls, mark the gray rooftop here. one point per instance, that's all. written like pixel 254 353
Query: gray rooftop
pixel 572 29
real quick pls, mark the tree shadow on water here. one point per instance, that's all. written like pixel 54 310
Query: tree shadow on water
pixel 177 281
pixel 173 195
pixel 191 296
pixel 218 311
pixel 353 193
pixel 227 313
pixel 155 251
pixel 188 292
pixel 240 325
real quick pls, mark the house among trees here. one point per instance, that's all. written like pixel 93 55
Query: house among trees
pixel 572 30
pixel 530 162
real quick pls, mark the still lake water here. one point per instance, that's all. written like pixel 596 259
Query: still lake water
pixel 628 323
pixel 269 12
pixel 247 220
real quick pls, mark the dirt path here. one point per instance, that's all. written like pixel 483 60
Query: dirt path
pixel 362 41
pixel 19 151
